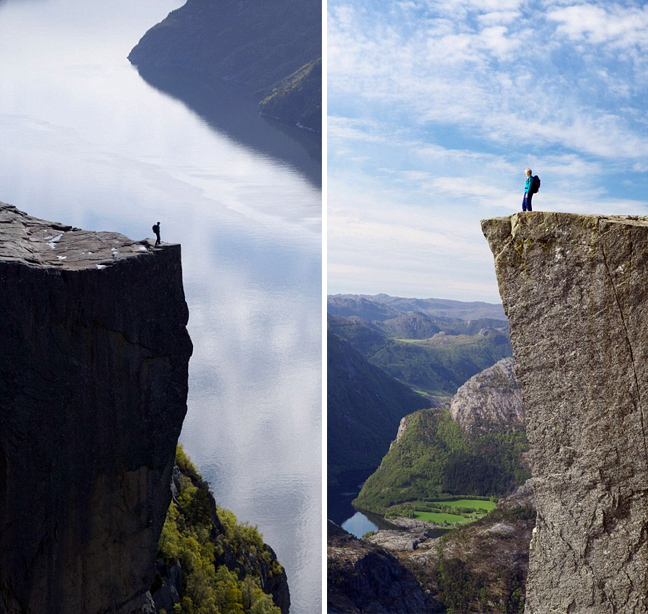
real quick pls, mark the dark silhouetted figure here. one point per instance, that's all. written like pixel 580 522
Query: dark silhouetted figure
pixel 156 230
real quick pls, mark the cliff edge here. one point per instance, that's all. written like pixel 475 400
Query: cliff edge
pixel 93 389
pixel 574 289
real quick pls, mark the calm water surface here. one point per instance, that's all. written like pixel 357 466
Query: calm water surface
pixel 84 140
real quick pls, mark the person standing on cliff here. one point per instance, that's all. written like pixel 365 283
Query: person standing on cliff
pixel 156 230
pixel 528 194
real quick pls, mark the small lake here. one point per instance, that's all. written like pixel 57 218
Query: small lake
pixel 86 141
pixel 356 522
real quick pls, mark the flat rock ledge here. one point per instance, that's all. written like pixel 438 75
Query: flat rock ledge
pixel 49 244
pixel 574 289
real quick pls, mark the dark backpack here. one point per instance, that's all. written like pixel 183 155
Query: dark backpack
pixel 155 228
pixel 535 184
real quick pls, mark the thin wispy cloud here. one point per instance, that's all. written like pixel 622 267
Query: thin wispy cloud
pixel 438 106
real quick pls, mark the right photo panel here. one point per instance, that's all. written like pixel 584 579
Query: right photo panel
pixel 487 249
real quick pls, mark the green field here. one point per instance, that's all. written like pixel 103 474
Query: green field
pixel 445 508
pixel 440 518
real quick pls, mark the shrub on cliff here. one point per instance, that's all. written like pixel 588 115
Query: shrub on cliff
pixel 222 561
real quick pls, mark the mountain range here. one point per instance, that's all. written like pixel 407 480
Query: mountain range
pixel 388 357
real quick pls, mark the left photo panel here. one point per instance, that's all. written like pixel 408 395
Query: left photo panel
pixel 161 307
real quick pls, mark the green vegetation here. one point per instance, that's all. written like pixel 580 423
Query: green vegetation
pixel 446 512
pixel 436 459
pixel 218 576
pixel 457 511
pixel 298 98
pixel 441 518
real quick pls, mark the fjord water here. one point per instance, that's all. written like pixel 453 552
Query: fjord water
pixel 84 140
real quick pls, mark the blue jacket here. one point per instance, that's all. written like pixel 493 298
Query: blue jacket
pixel 528 184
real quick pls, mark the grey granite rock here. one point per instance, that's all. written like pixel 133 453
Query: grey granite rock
pixel 490 400
pixel 93 388
pixel 574 290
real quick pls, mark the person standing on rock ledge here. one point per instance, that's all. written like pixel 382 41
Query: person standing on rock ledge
pixel 156 230
pixel 528 193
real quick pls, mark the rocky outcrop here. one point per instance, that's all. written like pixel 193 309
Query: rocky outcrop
pixel 93 389
pixel 481 567
pixel 362 577
pixel 574 290
pixel 490 401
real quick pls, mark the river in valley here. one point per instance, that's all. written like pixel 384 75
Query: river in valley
pixel 86 141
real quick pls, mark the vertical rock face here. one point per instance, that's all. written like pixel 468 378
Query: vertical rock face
pixel 93 388
pixel 574 289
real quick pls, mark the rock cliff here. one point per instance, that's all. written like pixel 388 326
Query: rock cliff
pixel 93 388
pixel 574 290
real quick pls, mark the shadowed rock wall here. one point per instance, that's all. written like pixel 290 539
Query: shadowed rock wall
pixel 93 388
pixel 574 288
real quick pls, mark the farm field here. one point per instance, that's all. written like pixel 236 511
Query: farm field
pixel 455 511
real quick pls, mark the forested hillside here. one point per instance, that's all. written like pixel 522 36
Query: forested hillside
pixel 434 457
pixel 477 448
pixel 392 356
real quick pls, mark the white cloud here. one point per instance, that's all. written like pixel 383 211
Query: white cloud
pixel 483 79
pixel 610 23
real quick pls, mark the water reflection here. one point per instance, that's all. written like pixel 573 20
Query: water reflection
pixel 356 522
pixel 232 112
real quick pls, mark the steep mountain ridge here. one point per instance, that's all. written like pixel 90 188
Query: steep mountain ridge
pixel 365 406
pixel 272 49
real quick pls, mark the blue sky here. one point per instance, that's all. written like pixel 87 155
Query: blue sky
pixel 435 108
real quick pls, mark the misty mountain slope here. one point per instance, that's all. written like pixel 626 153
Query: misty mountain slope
pixel 384 307
pixel 434 366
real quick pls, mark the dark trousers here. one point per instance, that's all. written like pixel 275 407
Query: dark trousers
pixel 526 202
